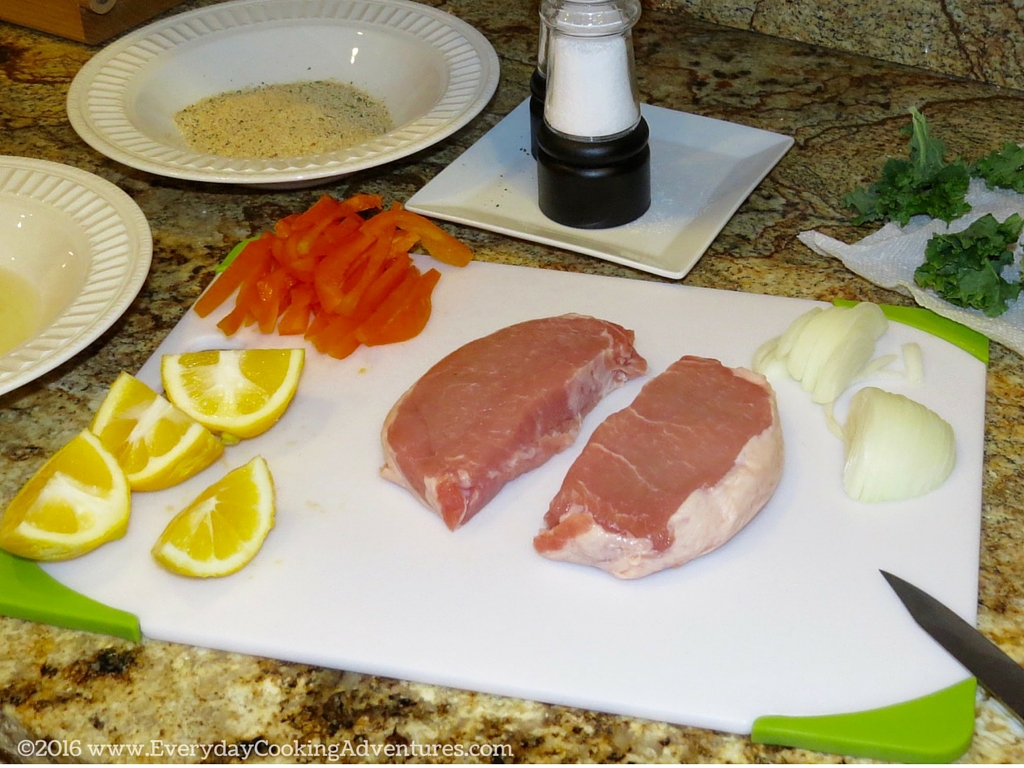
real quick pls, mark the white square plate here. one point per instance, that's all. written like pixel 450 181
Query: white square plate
pixel 702 169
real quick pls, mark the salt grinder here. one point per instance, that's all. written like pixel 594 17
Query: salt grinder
pixel 539 80
pixel 593 157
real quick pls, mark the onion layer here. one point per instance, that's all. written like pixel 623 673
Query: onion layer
pixel 896 448
pixel 825 349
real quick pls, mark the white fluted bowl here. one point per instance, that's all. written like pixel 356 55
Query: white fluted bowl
pixel 433 71
pixel 83 249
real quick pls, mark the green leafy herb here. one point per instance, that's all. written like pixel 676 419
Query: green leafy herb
pixel 1002 168
pixel 922 184
pixel 965 268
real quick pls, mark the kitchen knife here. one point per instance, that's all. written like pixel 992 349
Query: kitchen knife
pixel 1000 674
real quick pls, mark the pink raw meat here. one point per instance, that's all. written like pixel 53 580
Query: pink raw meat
pixel 501 406
pixel 671 477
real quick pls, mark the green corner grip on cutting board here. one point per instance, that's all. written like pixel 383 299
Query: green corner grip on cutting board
pixel 936 728
pixel 28 592
pixel 923 319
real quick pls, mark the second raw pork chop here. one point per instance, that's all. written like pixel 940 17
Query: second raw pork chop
pixel 500 406
pixel 673 476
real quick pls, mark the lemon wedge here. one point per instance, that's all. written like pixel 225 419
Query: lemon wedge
pixel 77 500
pixel 156 444
pixel 224 528
pixel 242 392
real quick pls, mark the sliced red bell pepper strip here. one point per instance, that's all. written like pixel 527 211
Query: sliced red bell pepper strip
pixel 410 318
pixel 272 297
pixel 336 338
pixel 376 260
pixel 383 285
pixel 335 274
pixel 295 319
pixel 253 259
pixel 331 273
pixel 325 208
pixel 438 243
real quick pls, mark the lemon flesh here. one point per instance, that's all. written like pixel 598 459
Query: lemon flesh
pixel 241 392
pixel 78 500
pixel 157 444
pixel 224 527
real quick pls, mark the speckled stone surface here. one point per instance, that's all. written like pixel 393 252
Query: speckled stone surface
pixel 845 112
pixel 982 41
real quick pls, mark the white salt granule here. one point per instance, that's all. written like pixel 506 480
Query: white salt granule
pixel 590 89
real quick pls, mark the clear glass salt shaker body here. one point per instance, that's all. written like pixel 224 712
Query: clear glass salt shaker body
pixel 592 147
pixel 538 80
pixel 591 83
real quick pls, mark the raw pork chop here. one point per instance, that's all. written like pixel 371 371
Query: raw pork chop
pixel 501 406
pixel 673 476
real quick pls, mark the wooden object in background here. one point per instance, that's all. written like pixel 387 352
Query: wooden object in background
pixel 88 21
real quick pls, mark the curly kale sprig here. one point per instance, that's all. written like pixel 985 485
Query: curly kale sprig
pixel 1003 168
pixel 965 268
pixel 923 184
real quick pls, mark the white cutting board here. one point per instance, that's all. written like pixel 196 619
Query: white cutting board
pixel 790 617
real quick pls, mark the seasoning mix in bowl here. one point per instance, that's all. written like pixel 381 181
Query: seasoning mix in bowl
pixel 285 120
pixel 282 93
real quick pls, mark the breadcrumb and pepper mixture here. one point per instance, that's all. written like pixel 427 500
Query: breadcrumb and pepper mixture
pixel 283 120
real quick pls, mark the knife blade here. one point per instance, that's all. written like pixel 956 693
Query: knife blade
pixel 999 673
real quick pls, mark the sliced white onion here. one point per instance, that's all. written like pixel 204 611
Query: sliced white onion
pixel 896 448
pixel 789 338
pixel 831 421
pixel 816 341
pixel 842 365
pixel 913 362
pixel 913 365
pixel 878 365
pixel 825 349
pixel 766 356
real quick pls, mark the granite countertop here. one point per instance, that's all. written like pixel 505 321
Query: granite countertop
pixel 844 112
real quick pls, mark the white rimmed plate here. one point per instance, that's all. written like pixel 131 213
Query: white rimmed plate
pixel 702 169
pixel 81 245
pixel 433 71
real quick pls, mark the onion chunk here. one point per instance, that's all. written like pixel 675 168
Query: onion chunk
pixel 896 448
